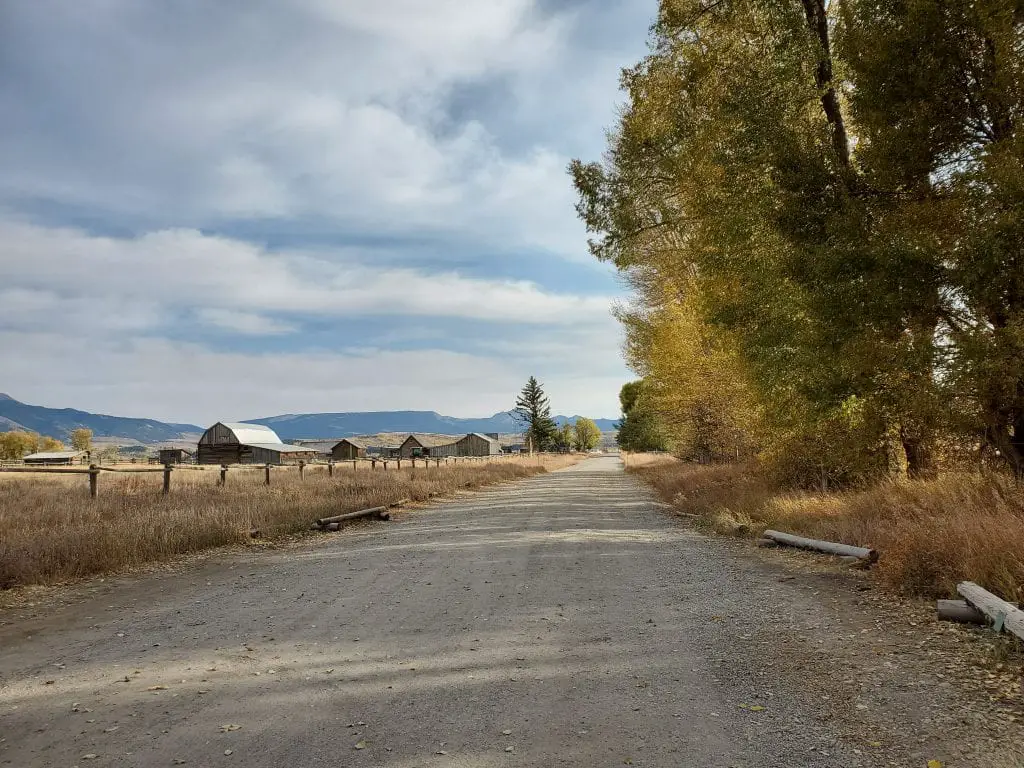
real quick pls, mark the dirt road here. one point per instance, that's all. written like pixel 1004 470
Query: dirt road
pixel 562 620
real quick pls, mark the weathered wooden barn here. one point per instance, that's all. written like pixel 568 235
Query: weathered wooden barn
pixel 236 443
pixel 477 444
pixel 348 449
pixel 57 458
pixel 427 445
pixel 175 456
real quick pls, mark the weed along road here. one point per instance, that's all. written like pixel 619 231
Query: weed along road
pixel 561 620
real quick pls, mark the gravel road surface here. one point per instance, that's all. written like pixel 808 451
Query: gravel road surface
pixel 562 620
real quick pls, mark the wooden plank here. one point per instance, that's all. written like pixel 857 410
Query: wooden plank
pixel 1002 614
pixel 829 547
pixel 46 470
pixel 372 511
pixel 959 610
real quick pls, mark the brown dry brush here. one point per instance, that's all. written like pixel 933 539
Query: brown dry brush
pixel 931 533
pixel 51 532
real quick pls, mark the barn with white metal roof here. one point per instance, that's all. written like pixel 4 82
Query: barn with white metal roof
pixel 239 443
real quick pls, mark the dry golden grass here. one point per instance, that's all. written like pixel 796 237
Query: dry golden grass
pixel 51 531
pixel 931 533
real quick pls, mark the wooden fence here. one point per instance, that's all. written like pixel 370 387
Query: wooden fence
pixel 93 471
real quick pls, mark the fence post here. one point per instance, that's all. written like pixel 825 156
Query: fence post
pixel 399 463
pixel 330 469
pixel 94 479
pixel 302 466
pixel 167 478
pixel 223 474
pixel 385 465
pixel 353 465
pixel 266 475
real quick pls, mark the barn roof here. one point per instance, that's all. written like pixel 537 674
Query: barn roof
pixel 482 436
pixel 251 434
pixel 50 455
pixel 351 441
pixel 428 441
pixel 282 447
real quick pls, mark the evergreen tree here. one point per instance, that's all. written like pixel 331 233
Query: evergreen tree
pixel 533 412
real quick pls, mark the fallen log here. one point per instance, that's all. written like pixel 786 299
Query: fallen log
pixel 379 511
pixel 960 611
pixel 1002 614
pixel 829 547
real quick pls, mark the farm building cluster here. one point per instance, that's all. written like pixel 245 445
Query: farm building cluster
pixel 241 443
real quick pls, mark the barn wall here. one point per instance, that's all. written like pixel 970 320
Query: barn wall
pixel 218 434
pixel 474 445
pixel 223 454
pixel 347 451
pixel 449 449
pixel 410 444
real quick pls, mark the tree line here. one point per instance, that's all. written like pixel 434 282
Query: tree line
pixel 17 444
pixel 818 206
pixel 541 433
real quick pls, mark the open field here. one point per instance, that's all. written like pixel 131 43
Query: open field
pixel 51 531
pixel 931 533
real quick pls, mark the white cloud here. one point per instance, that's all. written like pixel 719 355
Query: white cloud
pixel 310 108
pixel 235 283
pixel 176 381
pixel 247 323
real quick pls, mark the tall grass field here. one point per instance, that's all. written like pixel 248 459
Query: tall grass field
pixel 52 532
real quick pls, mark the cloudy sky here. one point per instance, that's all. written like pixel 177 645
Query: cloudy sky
pixel 250 207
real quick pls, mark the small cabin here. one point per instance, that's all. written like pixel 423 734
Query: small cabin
pixel 349 449
pixel 175 456
pixel 57 458
pixel 416 446
pixel 240 443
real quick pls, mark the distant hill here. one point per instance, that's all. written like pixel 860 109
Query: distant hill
pixel 59 422
pixel 293 426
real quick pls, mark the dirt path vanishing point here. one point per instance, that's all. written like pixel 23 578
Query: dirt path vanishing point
pixel 564 620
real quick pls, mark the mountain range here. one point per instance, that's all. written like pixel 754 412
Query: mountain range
pixel 59 422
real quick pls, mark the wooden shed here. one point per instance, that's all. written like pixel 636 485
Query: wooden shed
pixel 57 458
pixel 477 444
pixel 237 443
pixel 427 445
pixel 175 456
pixel 349 449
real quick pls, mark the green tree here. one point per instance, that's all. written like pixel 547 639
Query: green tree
pixel 81 439
pixel 638 428
pixel 564 437
pixel 586 434
pixel 17 444
pixel 533 412
pixel 47 443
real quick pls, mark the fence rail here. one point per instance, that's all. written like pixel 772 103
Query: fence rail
pixel 94 470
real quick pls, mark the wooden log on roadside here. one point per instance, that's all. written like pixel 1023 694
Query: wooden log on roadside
pixel 960 611
pixel 1003 615
pixel 378 511
pixel 828 547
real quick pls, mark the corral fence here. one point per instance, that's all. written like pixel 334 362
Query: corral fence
pixel 93 471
